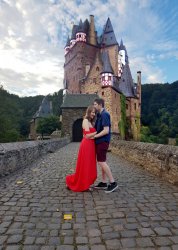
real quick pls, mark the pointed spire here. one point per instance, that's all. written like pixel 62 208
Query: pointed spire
pixel 45 108
pixel 108 36
pixel 80 27
pixel 74 31
pixel 121 45
pixel 86 26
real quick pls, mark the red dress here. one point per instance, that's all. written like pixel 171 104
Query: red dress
pixel 85 172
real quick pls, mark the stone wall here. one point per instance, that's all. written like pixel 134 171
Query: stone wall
pixel 161 160
pixel 69 116
pixel 20 154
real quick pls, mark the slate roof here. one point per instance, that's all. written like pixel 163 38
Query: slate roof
pixel 44 109
pixel 78 100
pixel 107 68
pixel 80 27
pixel 125 84
pixel 108 36
pixel 86 26
pixel 74 31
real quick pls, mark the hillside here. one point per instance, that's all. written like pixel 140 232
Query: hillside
pixel 160 110
pixel 16 113
pixel 159 116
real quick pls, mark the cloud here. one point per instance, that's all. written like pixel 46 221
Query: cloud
pixel 150 72
pixel 33 35
pixel 29 83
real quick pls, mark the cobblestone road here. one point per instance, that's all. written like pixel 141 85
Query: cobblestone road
pixel 141 214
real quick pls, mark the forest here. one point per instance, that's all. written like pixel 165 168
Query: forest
pixel 16 113
pixel 159 113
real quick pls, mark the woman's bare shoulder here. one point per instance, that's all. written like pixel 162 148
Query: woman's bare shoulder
pixel 85 124
pixel 85 120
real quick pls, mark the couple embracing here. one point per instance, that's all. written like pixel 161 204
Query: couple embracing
pixel 95 143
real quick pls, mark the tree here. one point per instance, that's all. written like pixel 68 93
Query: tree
pixel 160 111
pixel 48 124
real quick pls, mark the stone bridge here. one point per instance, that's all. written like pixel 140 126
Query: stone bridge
pixel 141 214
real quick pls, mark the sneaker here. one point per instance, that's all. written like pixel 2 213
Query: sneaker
pixel 101 185
pixel 111 187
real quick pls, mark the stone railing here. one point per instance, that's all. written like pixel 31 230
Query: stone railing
pixel 161 160
pixel 20 154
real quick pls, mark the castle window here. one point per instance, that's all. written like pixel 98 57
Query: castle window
pixel 135 106
pixel 116 110
pixel 115 95
pixel 109 78
pixel 94 80
pixel 97 68
pixel 103 93
pixel 103 78
pixel 127 106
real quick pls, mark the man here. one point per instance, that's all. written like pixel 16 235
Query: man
pixel 102 140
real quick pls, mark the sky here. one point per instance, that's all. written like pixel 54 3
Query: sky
pixel 33 35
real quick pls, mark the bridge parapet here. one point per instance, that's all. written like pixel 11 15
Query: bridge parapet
pixel 159 159
pixel 20 154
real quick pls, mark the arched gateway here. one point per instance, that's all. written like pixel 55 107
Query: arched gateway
pixel 73 110
pixel 77 133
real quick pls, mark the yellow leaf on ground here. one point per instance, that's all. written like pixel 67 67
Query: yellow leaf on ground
pixel 67 216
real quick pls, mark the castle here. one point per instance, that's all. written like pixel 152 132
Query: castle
pixel 99 65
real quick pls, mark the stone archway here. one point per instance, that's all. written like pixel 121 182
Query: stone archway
pixel 77 133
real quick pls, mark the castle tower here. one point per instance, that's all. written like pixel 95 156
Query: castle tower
pixel 99 65
pixel 79 56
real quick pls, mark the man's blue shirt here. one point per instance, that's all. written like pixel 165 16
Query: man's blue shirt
pixel 103 120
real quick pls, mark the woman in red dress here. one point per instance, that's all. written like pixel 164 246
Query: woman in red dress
pixel 85 172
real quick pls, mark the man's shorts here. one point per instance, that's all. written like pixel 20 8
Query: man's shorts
pixel 101 151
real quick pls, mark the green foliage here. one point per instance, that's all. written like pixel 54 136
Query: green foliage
pixel 16 113
pixel 123 122
pixel 10 113
pixel 160 111
pixel 48 124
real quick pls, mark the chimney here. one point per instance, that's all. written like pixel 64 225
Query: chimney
pixel 139 77
pixel 92 33
pixel 139 86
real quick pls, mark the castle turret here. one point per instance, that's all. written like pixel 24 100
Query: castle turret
pixel 108 37
pixel 107 71
pixel 92 33
pixel 81 35
pixel 73 37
